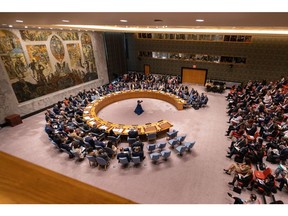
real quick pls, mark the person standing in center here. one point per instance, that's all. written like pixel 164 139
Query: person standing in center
pixel 139 110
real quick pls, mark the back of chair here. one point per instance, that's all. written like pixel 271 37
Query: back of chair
pixel 91 158
pixel 111 138
pixel 172 134
pixel 155 156
pixel 101 161
pixel 131 140
pixel 166 153
pixel 151 147
pixel 267 171
pixel 161 145
pixel 123 160
pixel 136 160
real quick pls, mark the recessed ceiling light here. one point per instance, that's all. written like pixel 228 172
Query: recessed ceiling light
pixel 26 27
pixel 39 27
pixel 123 20
pixel 10 26
pixel 199 20
pixel 66 21
pixel 19 21
pixel 51 28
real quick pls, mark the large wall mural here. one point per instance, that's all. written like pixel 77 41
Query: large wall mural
pixel 42 62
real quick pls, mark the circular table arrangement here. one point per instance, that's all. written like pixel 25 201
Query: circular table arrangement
pixel 91 111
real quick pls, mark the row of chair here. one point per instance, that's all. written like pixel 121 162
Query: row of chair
pixel 152 147
pixel 135 160
pixel 97 161
pixel 155 156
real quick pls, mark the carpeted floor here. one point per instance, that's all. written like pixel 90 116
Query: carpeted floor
pixel 195 178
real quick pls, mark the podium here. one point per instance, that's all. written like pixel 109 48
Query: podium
pixel 13 120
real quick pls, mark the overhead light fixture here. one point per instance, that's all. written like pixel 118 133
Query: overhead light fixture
pixel 199 20
pixel 67 21
pixel 25 26
pixel 10 26
pixel 51 28
pixel 39 27
pixel 123 20
pixel 19 21
pixel 197 29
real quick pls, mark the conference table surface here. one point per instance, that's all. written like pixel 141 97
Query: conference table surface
pixel 92 109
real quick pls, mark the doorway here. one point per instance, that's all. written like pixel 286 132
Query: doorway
pixel 146 69
pixel 192 75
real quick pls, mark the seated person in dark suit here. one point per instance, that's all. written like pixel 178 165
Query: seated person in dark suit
pixel 122 154
pixel 133 133
pixel 89 139
pixel 103 154
pixel 96 130
pixel 137 152
pixel 138 144
pixel 48 128
pixel 99 143
pixel 111 133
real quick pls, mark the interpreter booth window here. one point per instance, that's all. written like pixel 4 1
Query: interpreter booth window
pixel 159 55
pixel 217 37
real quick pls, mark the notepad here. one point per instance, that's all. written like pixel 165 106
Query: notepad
pixel 104 127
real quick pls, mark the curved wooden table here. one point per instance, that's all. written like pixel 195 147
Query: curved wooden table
pixel 91 111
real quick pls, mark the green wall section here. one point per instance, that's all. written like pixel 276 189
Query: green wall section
pixel 267 57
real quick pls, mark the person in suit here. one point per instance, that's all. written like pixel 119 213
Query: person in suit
pixel 133 133
pixel 139 110
pixel 137 152
pixel 138 144
pixel 96 130
pixel 122 154
pixel 103 154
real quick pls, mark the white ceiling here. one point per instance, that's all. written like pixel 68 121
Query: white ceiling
pixel 145 21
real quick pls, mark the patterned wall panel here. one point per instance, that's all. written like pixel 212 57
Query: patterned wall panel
pixel 41 62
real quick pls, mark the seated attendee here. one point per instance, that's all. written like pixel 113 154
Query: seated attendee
pixel 242 168
pixel 110 145
pixel 103 154
pixel 133 133
pixel 203 100
pixel 76 148
pixel 78 119
pixel 91 152
pixel 283 180
pixel 138 144
pixel 96 131
pixel 99 143
pixel 137 152
pixel 48 128
pixel 111 133
pixel 252 200
pixel 267 185
pixel 122 154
